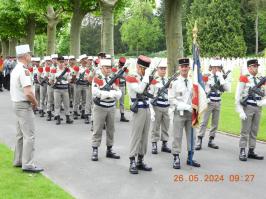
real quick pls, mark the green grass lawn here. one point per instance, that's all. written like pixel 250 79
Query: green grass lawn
pixel 15 184
pixel 229 118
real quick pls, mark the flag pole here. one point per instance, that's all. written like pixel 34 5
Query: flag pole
pixel 194 34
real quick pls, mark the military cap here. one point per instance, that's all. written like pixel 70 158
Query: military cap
pixel 122 61
pixel 101 54
pixel 252 62
pixel 60 58
pixel 144 61
pixel 216 62
pixel 183 61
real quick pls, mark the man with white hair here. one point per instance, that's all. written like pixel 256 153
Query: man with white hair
pixel 24 101
pixel 214 102
pixel 104 110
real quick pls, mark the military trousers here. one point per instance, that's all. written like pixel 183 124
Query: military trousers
pixel 89 102
pixel 50 97
pixel 43 96
pixel 161 124
pixel 122 99
pixel 250 127
pixel 37 92
pixel 140 131
pixel 80 96
pixel 214 110
pixel 182 123
pixel 61 95
pixel 102 116
pixel 25 137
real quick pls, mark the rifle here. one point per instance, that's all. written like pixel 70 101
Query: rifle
pixel 59 78
pixel 145 94
pixel 163 90
pixel 44 80
pixel 253 91
pixel 81 76
pixel 108 85
pixel 217 86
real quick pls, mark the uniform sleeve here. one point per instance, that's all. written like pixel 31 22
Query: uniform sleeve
pixel 137 87
pixel 240 87
pixel 97 92
pixel 172 94
pixel 25 78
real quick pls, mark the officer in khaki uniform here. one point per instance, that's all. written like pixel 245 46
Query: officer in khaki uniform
pixel 61 89
pixel 104 110
pixel 250 113
pixel 24 101
pixel 214 103
pixel 180 96
pixel 159 111
pixel 137 83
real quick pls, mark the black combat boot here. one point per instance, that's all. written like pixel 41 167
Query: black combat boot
pixel 253 155
pixel 190 160
pixel 165 148
pixel 58 120
pixel 68 120
pixel 111 154
pixel 75 115
pixel 242 155
pixel 141 165
pixel 176 164
pixel 87 119
pixel 154 148
pixel 199 143
pixel 42 113
pixel 132 167
pixel 211 144
pixel 94 156
pixel 71 104
pixel 83 114
pixel 49 116
pixel 123 119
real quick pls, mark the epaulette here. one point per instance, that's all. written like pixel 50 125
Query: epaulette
pixel 97 80
pixel 53 70
pixel 114 70
pixel 30 69
pixel 244 78
pixel 40 69
pixel 47 69
pixel 205 78
pixel 154 81
pixel 76 68
pixel 131 79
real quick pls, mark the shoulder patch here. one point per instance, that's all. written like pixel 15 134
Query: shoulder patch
pixel 243 78
pixel 131 79
pixel 205 78
pixel 98 81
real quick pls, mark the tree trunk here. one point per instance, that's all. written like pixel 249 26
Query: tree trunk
pixel 52 19
pixel 12 46
pixel 30 29
pixel 75 28
pixel 5 47
pixel 173 33
pixel 256 28
pixel 107 26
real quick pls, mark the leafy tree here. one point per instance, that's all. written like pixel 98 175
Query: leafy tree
pixel 219 24
pixel 140 29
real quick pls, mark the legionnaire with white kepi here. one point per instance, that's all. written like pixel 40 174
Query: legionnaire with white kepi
pixel 122 86
pixel 24 101
pixel 104 110
pixel 138 85
pixel 249 98
pixel 215 85
pixel 159 110
pixel 180 96
pixel 81 87
pixel 60 79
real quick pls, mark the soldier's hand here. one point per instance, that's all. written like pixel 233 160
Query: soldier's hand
pixel 242 115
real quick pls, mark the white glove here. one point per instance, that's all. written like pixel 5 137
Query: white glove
pixel 188 107
pixel 112 93
pixel 220 77
pixel 261 102
pixel 242 115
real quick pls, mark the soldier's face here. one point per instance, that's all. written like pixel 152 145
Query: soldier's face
pixel 141 70
pixel 184 69
pixel 215 69
pixel 161 71
pixel 106 70
pixel 253 69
